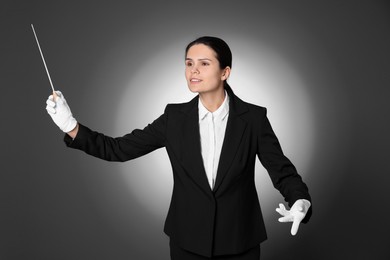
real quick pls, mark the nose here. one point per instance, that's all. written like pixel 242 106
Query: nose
pixel 194 69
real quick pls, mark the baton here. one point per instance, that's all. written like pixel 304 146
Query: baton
pixel 44 63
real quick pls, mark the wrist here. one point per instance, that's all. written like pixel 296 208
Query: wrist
pixel 74 131
pixel 69 124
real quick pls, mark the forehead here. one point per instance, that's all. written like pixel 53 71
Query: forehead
pixel 200 51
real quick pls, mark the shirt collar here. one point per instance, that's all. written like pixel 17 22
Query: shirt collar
pixel 221 112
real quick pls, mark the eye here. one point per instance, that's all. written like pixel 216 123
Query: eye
pixel 205 64
pixel 188 63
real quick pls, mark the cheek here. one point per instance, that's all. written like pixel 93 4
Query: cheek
pixel 208 72
pixel 187 73
pixel 215 75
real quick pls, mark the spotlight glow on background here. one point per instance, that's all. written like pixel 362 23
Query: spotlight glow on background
pixel 259 76
pixel 320 67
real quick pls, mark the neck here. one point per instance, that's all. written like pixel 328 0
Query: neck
pixel 212 100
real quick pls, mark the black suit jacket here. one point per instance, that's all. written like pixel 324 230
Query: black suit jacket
pixel 227 219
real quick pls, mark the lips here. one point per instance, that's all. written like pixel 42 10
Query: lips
pixel 194 80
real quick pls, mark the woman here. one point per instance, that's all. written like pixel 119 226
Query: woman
pixel 212 142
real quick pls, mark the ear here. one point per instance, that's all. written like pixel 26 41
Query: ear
pixel 225 73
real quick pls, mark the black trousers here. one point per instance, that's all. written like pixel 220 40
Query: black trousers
pixel 177 253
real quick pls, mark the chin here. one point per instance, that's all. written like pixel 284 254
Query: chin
pixel 201 88
pixel 194 89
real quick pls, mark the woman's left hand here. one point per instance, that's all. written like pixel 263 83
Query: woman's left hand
pixel 296 214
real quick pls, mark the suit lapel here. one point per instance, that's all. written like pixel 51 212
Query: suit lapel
pixel 235 129
pixel 191 149
pixel 191 156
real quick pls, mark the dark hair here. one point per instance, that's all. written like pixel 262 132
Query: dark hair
pixel 220 47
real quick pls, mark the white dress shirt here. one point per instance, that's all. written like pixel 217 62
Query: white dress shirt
pixel 212 127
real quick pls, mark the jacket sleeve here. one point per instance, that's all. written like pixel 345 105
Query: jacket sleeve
pixel 130 146
pixel 283 173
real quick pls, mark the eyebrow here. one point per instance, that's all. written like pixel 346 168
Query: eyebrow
pixel 199 59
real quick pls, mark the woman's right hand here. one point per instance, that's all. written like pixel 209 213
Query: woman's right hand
pixel 58 109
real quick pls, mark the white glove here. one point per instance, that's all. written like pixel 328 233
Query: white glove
pixel 296 214
pixel 60 112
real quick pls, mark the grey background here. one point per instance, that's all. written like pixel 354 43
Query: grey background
pixel 56 203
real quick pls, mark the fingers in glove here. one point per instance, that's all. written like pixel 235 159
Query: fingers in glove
pixel 50 105
pixel 295 226
pixel 50 102
pixel 282 210
pixel 288 218
pixel 50 110
pixel 59 93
